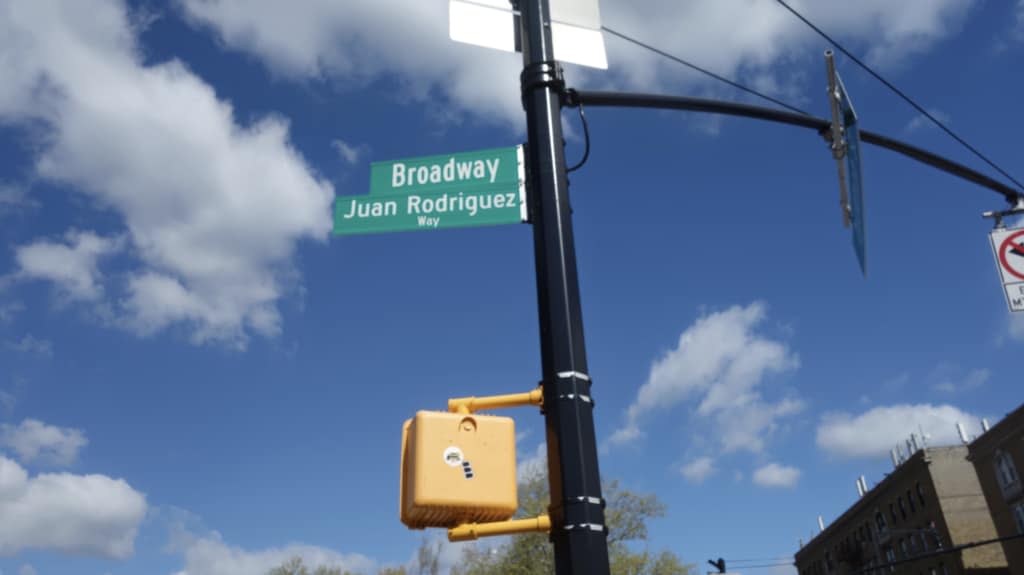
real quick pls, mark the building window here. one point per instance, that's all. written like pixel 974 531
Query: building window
pixel 890 556
pixel 903 548
pixel 892 512
pixel 920 494
pixel 938 540
pixel 1006 472
pixel 880 521
pixel 910 501
pixel 1018 515
pixel 903 508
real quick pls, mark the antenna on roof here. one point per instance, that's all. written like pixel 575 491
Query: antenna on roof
pixel 963 433
pixel 895 458
pixel 984 425
pixel 913 439
pixel 821 523
pixel 860 488
pixel 924 437
pixel 863 484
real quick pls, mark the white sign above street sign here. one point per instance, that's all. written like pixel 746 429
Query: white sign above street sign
pixel 575 28
pixel 1008 248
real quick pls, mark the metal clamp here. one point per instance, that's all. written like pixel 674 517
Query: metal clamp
pixel 1018 208
pixel 590 526
pixel 585 500
pixel 542 74
pixel 573 374
pixel 577 397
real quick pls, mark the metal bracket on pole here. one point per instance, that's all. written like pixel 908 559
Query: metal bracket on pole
pixel 998 216
pixel 473 531
pixel 473 404
pixel 838 136
pixel 542 74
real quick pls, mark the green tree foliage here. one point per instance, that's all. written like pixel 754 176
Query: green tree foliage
pixel 428 562
pixel 295 566
pixel 626 514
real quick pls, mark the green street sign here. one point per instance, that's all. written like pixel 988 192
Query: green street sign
pixel 457 190
pixel 498 167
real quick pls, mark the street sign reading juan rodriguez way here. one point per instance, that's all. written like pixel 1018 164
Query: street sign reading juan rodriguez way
pixel 480 188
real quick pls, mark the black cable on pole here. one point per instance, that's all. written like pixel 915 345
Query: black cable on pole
pixel 586 135
pixel 900 93
pixel 766 566
pixel 679 60
pixel 762 560
pixel 820 125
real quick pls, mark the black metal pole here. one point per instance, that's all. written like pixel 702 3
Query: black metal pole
pixel 821 125
pixel 577 509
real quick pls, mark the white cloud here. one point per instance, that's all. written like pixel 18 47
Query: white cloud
pixel 9 309
pixel 212 209
pixel 948 378
pixel 876 431
pixel 348 152
pixel 698 470
pixel 920 121
pixel 776 475
pixel 81 514
pixel 359 41
pixel 409 40
pixel 1019 30
pixel 722 362
pixel 72 266
pixel 38 442
pixel 7 402
pixel 27 569
pixel 1016 327
pixel 533 464
pixel 210 555
pixel 14 199
pixel 31 345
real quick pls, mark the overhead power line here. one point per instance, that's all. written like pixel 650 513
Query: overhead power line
pixel 763 560
pixel 900 93
pixel 939 552
pixel 704 71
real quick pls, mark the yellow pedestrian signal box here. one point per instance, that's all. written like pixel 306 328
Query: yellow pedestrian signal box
pixel 457 468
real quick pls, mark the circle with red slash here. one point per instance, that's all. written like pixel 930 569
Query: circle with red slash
pixel 1010 244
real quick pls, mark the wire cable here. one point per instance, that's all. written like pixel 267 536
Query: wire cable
pixel 765 566
pixel 679 60
pixel 586 134
pixel 900 93
pixel 763 560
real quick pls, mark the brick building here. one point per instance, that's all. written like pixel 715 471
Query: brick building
pixel 998 458
pixel 930 502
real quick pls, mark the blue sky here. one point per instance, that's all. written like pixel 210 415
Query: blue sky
pixel 197 378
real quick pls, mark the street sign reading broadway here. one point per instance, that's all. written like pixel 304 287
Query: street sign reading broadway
pixel 1008 245
pixel 480 188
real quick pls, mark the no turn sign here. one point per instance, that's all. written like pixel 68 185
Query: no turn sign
pixel 1008 246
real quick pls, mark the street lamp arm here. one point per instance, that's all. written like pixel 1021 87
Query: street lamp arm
pixel 821 125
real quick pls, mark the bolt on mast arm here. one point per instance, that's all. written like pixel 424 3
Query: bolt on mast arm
pixel 574 98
